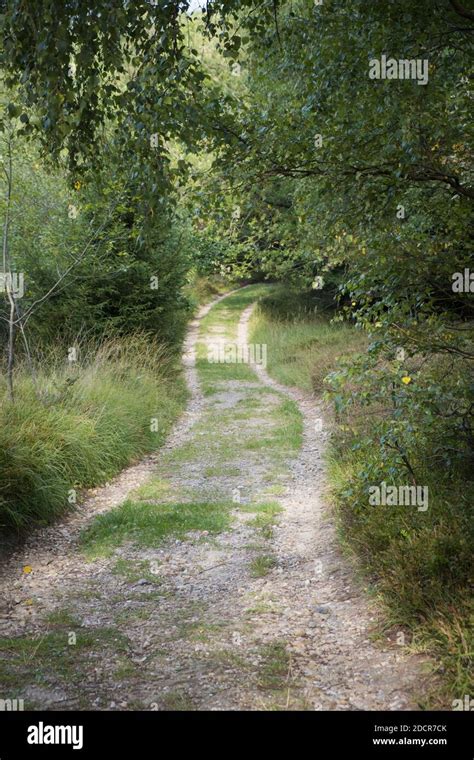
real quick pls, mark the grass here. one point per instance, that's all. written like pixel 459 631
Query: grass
pixel 216 471
pixel 225 314
pixel 148 524
pixel 82 425
pixel 262 565
pixel 149 517
pixel 265 516
pixel 287 433
pixel 303 345
pixel 200 631
pixel 230 659
pixel 125 670
pixel 262 608
pixel 201 290
pixel 176 701
pixel 274 669
pixel 418 562
pixel 134 570
pixel 50 659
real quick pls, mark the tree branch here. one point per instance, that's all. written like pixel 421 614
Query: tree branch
pixel 461 10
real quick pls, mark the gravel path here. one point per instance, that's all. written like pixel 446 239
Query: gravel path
pixel 214 631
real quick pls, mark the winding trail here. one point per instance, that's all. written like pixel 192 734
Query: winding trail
pixel 263 614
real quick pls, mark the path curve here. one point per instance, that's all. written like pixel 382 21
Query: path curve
pixel 217 631
pixel 329 611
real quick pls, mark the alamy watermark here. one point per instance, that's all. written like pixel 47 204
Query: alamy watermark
pixel 46 734
pixel 13 282
pixel 394 496
pixel 318 283
pixel 391 68
pixel 463 282
pixel 12 705
pixel 238 353
pixel 466 703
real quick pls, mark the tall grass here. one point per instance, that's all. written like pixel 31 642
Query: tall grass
pixel 78 423
pixel 303 345
pixel 420 563
pixel 200 290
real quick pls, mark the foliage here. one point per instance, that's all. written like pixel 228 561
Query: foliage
pixel 78 426
pixel 421 560
pixel 252 143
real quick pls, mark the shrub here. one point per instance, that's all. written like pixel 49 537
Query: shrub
pixel 81 425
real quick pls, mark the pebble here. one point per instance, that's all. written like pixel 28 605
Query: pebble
pixel 334 666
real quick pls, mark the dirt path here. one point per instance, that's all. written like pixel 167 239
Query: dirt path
pixel 254 609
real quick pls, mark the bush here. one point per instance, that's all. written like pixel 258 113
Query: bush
pixel 406 423
pixel 81 425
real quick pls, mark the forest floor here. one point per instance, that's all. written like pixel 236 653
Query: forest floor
pixel 209 575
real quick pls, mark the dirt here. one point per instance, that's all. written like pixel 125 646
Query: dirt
pixel 247 619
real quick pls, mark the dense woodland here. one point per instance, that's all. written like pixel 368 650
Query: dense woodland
pixel 153 155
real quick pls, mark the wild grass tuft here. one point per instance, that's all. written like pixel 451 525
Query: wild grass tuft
pixel 148 524
pixel 80 423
